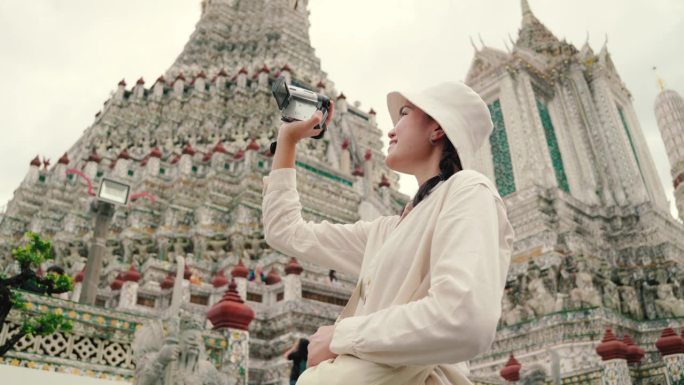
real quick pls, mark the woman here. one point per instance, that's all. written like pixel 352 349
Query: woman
pixel 297 354
pixel 431 280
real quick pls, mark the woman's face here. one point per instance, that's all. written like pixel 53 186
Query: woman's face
pixel 409 147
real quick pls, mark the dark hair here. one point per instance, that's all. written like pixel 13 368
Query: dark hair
pixel 302 347
pixel 448 166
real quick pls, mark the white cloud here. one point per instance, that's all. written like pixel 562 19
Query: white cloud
pixel 61 59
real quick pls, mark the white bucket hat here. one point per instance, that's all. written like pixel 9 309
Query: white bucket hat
pixel 460 111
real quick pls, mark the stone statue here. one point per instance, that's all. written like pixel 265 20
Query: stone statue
pixel 648 291
pixel 512 313
pixel 666 304
pixel 611 296
pixel 540 300
pixel 630 302
pixel 161 361
pixel 174 357
pixel 674 275
pixel 584 294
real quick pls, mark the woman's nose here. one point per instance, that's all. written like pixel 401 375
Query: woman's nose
pixel 391 134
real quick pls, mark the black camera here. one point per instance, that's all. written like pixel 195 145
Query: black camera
pixel 296 103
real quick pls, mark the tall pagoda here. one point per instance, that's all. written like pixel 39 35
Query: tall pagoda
pixel 596 244
pixel 194 145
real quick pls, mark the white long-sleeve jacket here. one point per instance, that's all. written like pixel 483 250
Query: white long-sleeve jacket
pixel 432 283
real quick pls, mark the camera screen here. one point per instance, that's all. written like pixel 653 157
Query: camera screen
pixel 301 110
pixel 281 93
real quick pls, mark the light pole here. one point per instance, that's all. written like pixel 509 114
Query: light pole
pixel 111 193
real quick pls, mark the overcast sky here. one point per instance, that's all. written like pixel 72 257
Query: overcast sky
pixel 62 58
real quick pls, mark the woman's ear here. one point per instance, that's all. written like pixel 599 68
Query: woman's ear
pixel 437 134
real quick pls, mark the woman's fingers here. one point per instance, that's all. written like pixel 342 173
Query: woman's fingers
pixel 319 346
pixel 311 123
pixel 306 128
pixel 315 119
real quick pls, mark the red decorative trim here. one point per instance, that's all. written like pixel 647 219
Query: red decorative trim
pixel 83 176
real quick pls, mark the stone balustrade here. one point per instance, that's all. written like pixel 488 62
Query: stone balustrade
pixel 100 344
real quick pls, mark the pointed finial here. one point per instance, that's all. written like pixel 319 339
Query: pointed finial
pixel 586 42
pixel 661 82
pixel 473 43
pixel 481 41
pixel 528 16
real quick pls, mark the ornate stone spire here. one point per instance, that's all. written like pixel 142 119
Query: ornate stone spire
pixel 293 267
pixel 533 34
pixel 254 34
pixel 167 283
pixel 219 279
pixel 669 111
pixel 611 348
pixel 273 277
pixel 131 275
pixel 669 343
pixel 240 270
pixel 528 16
pixel 634 352
pixel 231 311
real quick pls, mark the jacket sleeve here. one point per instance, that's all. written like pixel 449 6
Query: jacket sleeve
pixel 335 246
pixel 456 320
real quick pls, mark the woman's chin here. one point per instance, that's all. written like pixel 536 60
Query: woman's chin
pixel 392 164
pixel 388 161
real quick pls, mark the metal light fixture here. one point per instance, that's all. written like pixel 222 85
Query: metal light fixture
pixel 109 194
pixel 113 192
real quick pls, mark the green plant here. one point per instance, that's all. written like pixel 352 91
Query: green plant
pixel 30 256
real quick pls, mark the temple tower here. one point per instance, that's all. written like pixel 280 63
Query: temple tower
pixel 197 140
pixel 669 111
pixel 595 241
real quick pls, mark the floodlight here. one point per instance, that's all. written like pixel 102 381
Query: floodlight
pixel 113 192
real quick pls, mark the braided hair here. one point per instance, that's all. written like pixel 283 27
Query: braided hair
pixel 448 166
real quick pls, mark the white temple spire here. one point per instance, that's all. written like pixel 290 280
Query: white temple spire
pixel 528 16
pixel 669 112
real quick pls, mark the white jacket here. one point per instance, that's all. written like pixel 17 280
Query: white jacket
pixel 432 284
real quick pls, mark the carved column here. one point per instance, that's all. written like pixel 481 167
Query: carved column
pixel 129 295
pixel 292 282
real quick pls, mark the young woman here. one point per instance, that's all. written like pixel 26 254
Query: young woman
pixel 431 280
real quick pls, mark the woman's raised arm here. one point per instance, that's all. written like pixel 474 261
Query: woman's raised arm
pixel 336 246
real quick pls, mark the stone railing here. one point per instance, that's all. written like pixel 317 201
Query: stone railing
pixel 100 343
pixel 572 337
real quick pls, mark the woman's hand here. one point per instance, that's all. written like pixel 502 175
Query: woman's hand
pixel 292 349
pixel 319 346
pixel 293 132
